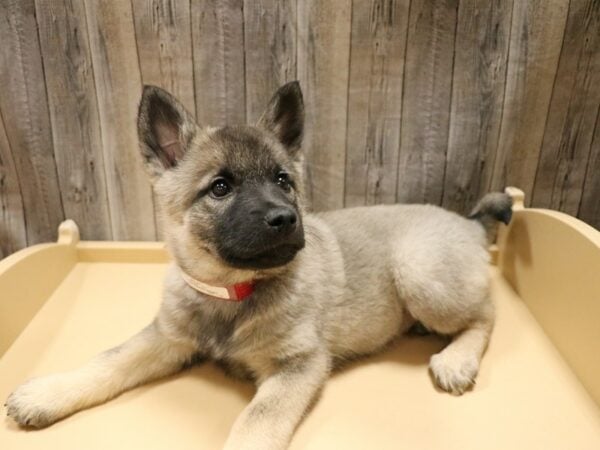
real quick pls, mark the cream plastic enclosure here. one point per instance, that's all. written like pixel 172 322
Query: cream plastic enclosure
pixel 539 386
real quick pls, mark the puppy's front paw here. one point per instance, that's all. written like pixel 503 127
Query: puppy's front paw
pixel 40 402
pixel 452 372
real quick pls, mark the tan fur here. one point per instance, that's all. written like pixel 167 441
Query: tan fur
pixel 364 277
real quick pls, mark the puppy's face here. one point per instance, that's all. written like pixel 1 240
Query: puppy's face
pixel 229 197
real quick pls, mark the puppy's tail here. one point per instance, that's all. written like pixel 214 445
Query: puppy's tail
pixel 491 209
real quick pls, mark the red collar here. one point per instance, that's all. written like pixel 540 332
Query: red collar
pixel 236 292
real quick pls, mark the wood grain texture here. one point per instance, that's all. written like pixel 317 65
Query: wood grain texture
pixel 270 46
pixel 432 101
pixel 218 36
pixel 74 115
pixel 323 63
pixel 24 107
pixel 589 209
pixel 378 42
pixel 164 41
pixel 535 42
pixel 119 86
pixel 12 216
pixel 573 110
pixel 481 50
pixel 426 102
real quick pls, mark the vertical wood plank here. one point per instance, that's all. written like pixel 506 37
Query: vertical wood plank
pixel 119 86
pixel 378 42
pixel 589 209
pixel 323 63
pixel 218 49
pixel 164 42
pixel 535 43
pixel 426 103
pixel 12 218
pixel 24 107
pixel 74 115
pixel 573 110
pixel 481 50
pixel 270 45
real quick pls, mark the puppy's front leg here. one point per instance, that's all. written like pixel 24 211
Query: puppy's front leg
pixel 146 356
pixel 270 419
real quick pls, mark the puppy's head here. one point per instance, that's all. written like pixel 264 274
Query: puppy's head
pixel 230 197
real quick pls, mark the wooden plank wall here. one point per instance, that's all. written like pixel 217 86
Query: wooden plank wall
pixel 407 101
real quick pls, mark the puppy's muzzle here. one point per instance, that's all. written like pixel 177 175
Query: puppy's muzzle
pixel 262 229
pixel 281 220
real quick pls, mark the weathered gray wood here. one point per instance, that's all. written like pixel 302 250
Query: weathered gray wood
pixel 24 109
pixel 164 42
pixel 218 36
pixel 480 54
pixel 270 46
pixel 410 101
pixel 589 209
pixel 573 111
pixel 378 43
pixel 426 103
pixel 119 86
pixel 535 42
pixel 12 217
pixel 323 63
pixel 74 115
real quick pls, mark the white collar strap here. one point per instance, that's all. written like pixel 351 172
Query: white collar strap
pixel 235 292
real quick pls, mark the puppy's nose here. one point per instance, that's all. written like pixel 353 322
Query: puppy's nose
pixel 281 219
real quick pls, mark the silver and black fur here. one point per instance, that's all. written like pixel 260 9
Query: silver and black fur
pixel 329 286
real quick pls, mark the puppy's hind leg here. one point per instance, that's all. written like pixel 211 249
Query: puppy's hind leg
pixel 448 294
pixel 454 368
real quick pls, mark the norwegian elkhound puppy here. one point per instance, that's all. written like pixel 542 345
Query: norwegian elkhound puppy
pixel 276 294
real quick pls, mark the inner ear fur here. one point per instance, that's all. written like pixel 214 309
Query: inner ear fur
pixel 165 129
pixel 284 116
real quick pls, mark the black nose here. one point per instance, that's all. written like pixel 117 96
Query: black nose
pixel 281 219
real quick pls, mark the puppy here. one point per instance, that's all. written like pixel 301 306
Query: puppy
pixel 275 294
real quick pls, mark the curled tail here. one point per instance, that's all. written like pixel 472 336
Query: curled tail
pixel 491 209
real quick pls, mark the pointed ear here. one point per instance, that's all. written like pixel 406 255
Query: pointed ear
pixel 284 116
pixel 165 129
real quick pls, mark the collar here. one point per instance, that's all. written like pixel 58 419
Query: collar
pixel 236 292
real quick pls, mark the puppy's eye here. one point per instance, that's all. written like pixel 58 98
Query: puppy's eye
pixel 283 180
pixel 220 188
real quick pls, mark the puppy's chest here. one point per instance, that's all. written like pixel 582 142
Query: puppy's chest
pixel 248 346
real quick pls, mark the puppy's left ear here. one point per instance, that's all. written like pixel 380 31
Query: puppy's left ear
pixel 165 130
pixel 284 116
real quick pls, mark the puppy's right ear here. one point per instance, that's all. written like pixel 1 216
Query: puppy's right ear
pixel 165 130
